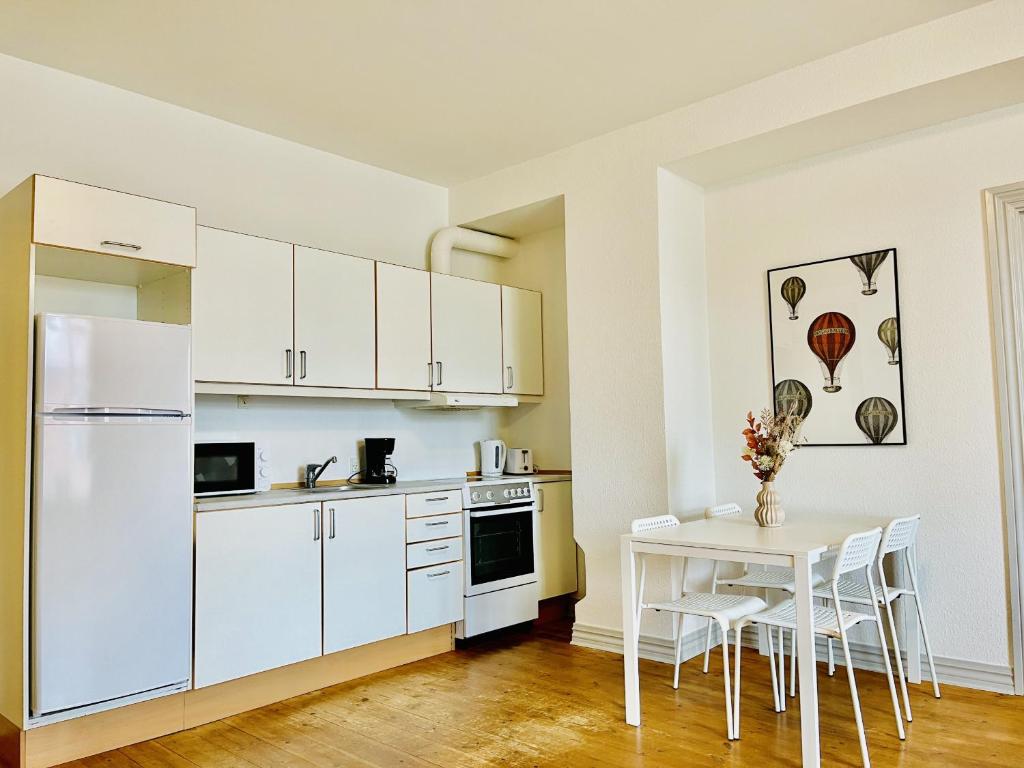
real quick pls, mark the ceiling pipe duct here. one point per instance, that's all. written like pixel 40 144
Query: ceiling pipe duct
pixel 450 238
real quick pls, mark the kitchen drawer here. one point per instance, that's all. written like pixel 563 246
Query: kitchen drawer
pixel 86 218
pixel 438 503
pixel 430 528
pixel 433 552
pixel 435 596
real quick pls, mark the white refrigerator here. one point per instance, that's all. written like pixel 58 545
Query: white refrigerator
pixel 111 527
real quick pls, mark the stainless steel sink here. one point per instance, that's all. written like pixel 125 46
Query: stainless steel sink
pixel 326 488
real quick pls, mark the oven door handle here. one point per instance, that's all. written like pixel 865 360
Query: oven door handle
pixel 473 513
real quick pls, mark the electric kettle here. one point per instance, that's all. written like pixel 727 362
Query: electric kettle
pixel 492 458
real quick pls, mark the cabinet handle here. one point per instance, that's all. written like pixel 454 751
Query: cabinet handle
pixel 331 534
pixel 431 525
pixel 302 364
pixel 511 378
pixel 540 499
pixel 436 575
pixel 440 371
pixel 287 363
pixel 438 498
pixel 116 244
pixel 438 549
pixel 316 524
pixel 430 375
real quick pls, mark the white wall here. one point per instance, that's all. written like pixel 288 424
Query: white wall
pixel 922 194
pixel 429 444
pixel 66 126
pixel 619 375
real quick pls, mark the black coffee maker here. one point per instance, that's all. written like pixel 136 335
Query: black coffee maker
pixel 379 469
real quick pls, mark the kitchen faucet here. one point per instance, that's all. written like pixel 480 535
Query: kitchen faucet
pixel 313 471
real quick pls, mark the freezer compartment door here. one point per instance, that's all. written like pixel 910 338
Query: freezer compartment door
pixel 102 362
pixel 111 588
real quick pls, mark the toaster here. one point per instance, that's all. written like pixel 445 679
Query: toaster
pixel 519 461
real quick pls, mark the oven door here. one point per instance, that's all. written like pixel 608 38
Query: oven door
pixel 224 468
pixel 500 548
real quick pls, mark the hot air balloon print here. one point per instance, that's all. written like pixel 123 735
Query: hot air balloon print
pixel 889 335
pixel 876 417
pixel 831 337
pixel 793 290
pixel 792 398
pixel 867 264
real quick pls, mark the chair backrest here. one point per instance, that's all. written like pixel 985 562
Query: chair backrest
pixel 899 534
pixel 644 524
pixel 722 510
pixel 858 551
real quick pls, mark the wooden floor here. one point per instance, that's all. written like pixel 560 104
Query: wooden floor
pixel 533 700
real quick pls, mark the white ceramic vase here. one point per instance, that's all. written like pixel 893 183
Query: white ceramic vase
pixel 769 512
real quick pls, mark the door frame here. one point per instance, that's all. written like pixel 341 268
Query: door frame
pixel 1004 219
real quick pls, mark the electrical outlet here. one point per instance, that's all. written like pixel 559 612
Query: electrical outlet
pixel 353 464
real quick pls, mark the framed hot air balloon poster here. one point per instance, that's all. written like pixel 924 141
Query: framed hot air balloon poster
pixel 835 345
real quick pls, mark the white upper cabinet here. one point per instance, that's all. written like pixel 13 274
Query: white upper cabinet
pixel 78 216
pixel 364 571
pixel 258 593
pixel 242 309
pixel 522 341
pixel 403 328
pixel 334 320
pixel 466 333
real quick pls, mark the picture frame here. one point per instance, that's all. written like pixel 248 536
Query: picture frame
pixel 836 351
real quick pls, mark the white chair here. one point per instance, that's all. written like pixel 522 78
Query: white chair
pixel 857 553
pixel 724 609
pixel 900 535
pixel 772 578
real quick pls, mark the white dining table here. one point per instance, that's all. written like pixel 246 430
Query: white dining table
pixel 799 544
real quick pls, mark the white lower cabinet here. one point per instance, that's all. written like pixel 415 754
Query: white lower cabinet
pixel 556 572
pixel 435 596
pixel 364 571
pixel 258 595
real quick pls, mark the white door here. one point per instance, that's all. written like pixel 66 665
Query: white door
pixel 258 595
pixel 242 309
pixel 103 362
pixel 111 601
pixel 557 562
pixel 334 320
pixel 466 333
pixel 522 341
pixel 89 218
pixel 364 571
pixel 403 328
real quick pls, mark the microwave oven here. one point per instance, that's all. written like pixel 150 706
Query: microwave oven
pixel 232 467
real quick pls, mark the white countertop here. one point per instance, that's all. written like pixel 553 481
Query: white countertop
pixel 335 492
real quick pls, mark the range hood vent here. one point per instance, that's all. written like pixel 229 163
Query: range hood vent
pixel 457 401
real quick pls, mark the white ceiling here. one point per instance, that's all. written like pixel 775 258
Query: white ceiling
pixel 444 90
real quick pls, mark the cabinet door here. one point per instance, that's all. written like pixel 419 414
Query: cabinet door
pixel 334 323
pixel 522 341
pixel 364 571
pixel 466 333
pixel 242 309
pixel 258 594
pixel 403 328
pixel 435 596
pixel 557 574
pixel 94 219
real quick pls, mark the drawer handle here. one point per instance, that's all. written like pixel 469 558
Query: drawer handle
pixel 436 575
pixel 442 522
pixel 438 549
pixel 116 244
pixel 438 498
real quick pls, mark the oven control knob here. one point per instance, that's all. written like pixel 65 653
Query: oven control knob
pixel 490 495
pixel 263 472
pixel 508 493
pixel 475 496
pixel 520 491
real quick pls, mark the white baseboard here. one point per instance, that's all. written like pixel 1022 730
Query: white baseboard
pixel 961 672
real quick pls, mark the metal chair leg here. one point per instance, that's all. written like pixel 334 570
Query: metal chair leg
pixel 707 647
pixel 895 643
pixel 792 663
pixel 771 666
pixel 728 685
pixel 856 699
pixel 736 695
pixel 782 670
pixel 679 655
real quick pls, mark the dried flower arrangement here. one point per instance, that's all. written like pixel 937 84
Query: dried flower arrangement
pixel 770 441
